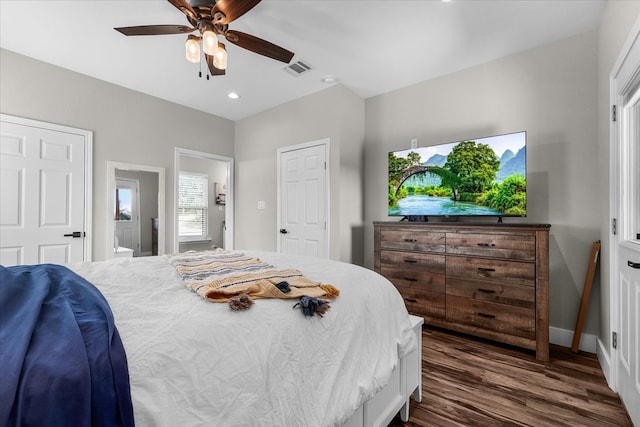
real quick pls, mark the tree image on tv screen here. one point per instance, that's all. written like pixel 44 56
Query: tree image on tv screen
pixel 470 179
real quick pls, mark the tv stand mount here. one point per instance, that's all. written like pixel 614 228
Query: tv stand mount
pixel 417 218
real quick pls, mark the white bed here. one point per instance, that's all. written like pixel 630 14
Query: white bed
pixel 194 362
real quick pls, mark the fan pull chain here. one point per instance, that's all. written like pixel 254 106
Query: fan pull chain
pixel 200 71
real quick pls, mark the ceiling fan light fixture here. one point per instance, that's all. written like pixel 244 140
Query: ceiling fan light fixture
pixel 209 42
pixel 211 18
pixel 192 49
pixel 220 57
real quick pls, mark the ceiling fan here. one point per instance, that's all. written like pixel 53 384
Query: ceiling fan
pixel 212 18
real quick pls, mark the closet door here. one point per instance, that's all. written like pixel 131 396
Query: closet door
pixel 42 193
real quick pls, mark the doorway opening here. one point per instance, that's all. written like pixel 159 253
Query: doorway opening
pixel 203 215
pixel 151 223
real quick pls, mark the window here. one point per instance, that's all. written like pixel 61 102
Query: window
pixel 123 204
pixel 193 203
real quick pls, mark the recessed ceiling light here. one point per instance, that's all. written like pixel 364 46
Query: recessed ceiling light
pixel 329 79
pixel 233 95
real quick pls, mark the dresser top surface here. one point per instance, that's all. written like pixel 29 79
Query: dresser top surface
pixel 464 225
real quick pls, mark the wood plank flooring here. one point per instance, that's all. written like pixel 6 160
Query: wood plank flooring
pixel 468 381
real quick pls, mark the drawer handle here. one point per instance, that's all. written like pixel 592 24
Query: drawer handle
pixel 486 269
pixel 486 245
pixel 486 316
pixel 410 279
pixel 486 291
pixel 411 300
pixel 411 261
pixel 633 264
pixel 411 240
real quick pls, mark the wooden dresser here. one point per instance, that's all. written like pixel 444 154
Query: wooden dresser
pixel 489 280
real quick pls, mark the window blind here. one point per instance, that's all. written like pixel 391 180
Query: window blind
pixel 193 203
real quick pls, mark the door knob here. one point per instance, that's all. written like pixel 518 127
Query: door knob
pixel 74 234
pixel 633 264
pixel 283 231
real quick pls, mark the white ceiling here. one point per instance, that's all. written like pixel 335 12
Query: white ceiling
pixel 371 46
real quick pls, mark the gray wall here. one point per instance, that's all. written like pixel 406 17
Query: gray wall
pixel 335 113
pixel 619 17
pixel 551 92
pixel 128 126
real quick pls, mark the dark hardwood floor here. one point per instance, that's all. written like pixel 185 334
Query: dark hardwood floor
pixel 472 382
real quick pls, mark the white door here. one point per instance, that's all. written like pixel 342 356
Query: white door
pixel 303 199
pixel 127 217
pixel 629 256
pixel 43 215
pixel 626 253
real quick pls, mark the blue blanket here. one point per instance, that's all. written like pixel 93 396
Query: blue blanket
pixel 62 362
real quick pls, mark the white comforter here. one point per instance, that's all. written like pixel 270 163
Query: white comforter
pixel 197 363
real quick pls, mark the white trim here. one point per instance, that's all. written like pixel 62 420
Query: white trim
pixel 612 380
pixel 228 207
pixel 135 182
pixel 564 338
pixel 618 80
pixel 111 186
pixel 605 362
pixel 327 144
pixel 88 195
pixel 88 171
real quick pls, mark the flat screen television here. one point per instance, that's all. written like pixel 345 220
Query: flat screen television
pixel 474 177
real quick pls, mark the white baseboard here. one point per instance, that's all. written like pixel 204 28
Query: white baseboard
pixel 564 337
pixel 605 364
pixel 145 253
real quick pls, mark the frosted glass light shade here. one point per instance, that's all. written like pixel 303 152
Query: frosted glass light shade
pixel 220 58
pixel 192 49
pixel 209 42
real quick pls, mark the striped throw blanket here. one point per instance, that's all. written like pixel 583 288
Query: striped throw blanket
pixel 219 275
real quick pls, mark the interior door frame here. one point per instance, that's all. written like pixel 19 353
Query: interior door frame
pixel 327 145
pixel 620 81
pixel 111 188
pixel 229 200
pixel 134 203
pixel 88 171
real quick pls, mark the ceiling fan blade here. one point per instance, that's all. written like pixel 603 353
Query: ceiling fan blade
pixel 259 46
pixel 232 9
pixel 212 68
pixel 154 30
pixel 185 8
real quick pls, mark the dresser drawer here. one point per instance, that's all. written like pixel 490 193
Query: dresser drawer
pixel 413 261
pixel 511 246
pixel 501 318
pixel 513 272
pixel 423 303
pixel 502 293
pixel 412 240
pixel 416 279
